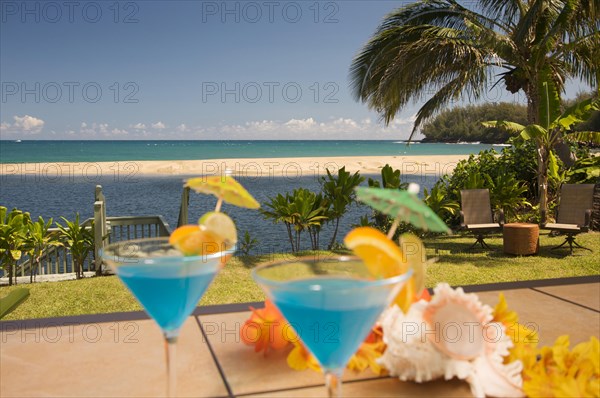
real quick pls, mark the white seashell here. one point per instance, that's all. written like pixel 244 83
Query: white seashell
pixel 420 349
pixel 459 320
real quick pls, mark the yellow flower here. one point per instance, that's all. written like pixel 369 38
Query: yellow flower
pixel 301 359
pixel 524 339
pixel 366 357
pixel 563 373
pixel 367 354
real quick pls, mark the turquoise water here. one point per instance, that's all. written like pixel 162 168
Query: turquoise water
pixel 100 151
pixel 331 318
pixel 169 293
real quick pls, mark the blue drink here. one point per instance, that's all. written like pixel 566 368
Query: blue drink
pixel 167 283
pixel 331 303
pixel 168 292
pixel 331 325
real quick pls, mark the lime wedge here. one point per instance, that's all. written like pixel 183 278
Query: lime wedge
pixel 220 224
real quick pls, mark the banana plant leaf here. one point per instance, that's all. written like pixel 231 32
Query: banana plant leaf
pixel 403 206
pixel 12 301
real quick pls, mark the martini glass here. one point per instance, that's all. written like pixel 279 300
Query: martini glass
pixel 166 283
pixel 332 304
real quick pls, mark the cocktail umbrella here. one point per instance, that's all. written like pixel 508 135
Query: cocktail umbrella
pixel 402 206
pixel 225 188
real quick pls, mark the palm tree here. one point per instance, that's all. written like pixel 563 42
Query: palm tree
pixel 339 191
pixel 440 46
pixel 79 240
pixel 13 235
pixel 37 240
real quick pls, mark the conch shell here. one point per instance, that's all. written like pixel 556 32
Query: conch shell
pixel 451 336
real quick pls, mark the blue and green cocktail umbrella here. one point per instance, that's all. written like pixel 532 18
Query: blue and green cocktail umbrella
pixel 402 205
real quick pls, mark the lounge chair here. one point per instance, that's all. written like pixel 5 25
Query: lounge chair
pixel 476 214
pixel 574 213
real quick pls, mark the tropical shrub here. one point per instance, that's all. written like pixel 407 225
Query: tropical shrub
pixel 79 240
pixel 302 210
pixel 37 240
pixel 506 194
pixel 13 234
pixel 339 193
pixel 585 171
pixel 390 179
pixel 440 201
pixel 247 244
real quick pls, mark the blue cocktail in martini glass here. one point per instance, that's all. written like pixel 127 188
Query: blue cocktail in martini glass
pixel 167 284
pixel 332 304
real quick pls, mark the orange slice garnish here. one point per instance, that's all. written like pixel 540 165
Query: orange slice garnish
pixel 194 240
pixel 382 256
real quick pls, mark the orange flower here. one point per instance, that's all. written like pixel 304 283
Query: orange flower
pixel 266 328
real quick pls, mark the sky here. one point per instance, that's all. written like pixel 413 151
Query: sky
pixel 197 70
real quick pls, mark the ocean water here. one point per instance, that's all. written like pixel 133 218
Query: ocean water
pixel 98 151
pixel 50 194
pixel 161 195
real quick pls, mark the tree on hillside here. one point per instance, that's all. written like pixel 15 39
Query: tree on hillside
pixel 464 123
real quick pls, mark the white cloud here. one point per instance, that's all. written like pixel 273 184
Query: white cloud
pixel 138 126
pixel 28 124
pixel 117 132
pixel 295 128
pixel 310 128
pixel 23 125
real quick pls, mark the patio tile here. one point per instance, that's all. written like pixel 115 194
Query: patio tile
pixel 587 294
pixel 103 360
pixel 550 316
pixel 245 370
pixel 388 387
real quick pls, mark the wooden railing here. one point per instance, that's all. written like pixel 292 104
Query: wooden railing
pixel 57 259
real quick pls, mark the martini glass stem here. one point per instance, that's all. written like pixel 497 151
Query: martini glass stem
pixel 333 382
pixel 170 352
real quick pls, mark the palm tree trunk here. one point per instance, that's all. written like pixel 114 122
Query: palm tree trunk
pixel 290 237
pixel 543 178
pixel 335 231
pixel 10 273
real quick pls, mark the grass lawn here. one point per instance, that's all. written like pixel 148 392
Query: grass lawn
pixel 234 284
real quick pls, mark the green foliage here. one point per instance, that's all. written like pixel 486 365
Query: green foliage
pixel 464 123
pixel 13 235
pixel 585 171
pixel 339 193
pixel 390 179
pixel 440 201
pixel 302 210
pixel 37 240
pixel 247 244
pixel 445 46
pixel 12 301
pixel 79 240
pixel 506 193
pixel 363 221
pixel 555 126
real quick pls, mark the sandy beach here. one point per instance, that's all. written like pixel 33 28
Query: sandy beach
pixel 249 167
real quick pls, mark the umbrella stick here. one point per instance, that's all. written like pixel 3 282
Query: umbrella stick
pixel 218 206
pixel 393 228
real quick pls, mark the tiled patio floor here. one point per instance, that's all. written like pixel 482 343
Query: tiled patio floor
pixel 122 354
